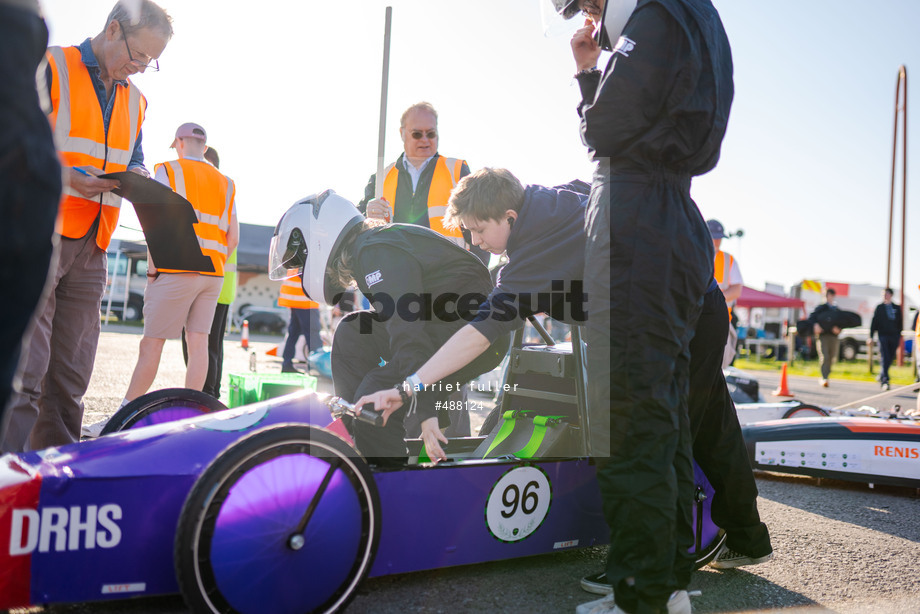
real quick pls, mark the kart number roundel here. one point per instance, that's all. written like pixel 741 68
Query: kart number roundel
pixel 518 503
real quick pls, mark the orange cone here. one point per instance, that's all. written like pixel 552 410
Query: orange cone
pixel 272 352
pixel 245 338
pixel 783 390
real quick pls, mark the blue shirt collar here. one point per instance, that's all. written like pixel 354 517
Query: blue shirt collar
pixel 89 58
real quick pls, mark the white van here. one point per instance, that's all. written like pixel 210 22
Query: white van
pixel 124 292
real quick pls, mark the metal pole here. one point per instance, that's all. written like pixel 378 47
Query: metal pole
pixel 381 135
pixel 124 305
pixel 116 245
pixel 900 112
pixel 903 76
pixel 894 164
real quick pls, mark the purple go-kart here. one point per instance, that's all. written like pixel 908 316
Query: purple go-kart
pixel 268 508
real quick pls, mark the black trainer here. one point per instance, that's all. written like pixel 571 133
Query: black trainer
pixel 729 559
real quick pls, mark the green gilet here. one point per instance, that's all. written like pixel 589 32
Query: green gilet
pixel 228 290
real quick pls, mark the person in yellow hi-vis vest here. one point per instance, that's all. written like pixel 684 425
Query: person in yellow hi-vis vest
pixel 728 276
pixel 174 298
pixel 96 118
pixel 304 321
pixel 416 187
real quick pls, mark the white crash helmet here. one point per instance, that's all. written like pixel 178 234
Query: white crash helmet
pixel 566 8
pixel 307 237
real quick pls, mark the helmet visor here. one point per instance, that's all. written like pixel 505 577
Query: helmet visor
pixel 287 255
pixel 566 8
pixel 556 18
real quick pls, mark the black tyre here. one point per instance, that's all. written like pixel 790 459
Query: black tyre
pixel 162 406
pixel 849 350
pixel 805 411
pixel 489 424
pixel 134 311
pixel 286 520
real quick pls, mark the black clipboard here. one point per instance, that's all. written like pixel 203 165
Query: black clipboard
pixel 168 222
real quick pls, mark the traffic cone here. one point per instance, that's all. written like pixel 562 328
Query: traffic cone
pixel 272 352
pixel 783 390
pixel 244 341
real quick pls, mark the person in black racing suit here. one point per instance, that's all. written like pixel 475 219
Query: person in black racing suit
pixel 654 119
pixel 422 288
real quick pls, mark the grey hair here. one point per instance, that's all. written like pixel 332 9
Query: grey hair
pixel 138 14
pixel 418 106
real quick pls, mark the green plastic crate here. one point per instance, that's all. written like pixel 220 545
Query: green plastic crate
pixel 246 388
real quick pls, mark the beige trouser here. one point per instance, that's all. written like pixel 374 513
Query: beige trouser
pixel 828 346
pixel 48 410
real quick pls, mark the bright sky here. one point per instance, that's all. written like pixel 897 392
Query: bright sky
pixel 289 94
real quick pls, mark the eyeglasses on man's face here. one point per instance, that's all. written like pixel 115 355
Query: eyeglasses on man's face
pixel 418 134
pixel 141 65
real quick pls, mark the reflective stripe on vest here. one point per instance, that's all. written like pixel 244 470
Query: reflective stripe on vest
pixel 443 180
pixel 82 140
pixel 211 195
pixel 722 271
pixel 292 295
pixel 228 289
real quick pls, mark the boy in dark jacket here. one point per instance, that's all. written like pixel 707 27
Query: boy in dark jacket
pixel 542 232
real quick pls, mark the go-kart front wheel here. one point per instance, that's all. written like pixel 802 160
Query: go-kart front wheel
pixel 284 521
pixel 805 411
pixel 162 406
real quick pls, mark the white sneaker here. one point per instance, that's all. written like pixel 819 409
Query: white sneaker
pixel 679 603
pixel 91 431
pixel 604 605
pixel 597 584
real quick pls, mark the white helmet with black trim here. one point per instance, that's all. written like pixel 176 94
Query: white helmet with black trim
pixel 306 239
pixel 566 8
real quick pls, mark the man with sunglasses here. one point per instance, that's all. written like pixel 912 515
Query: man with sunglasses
pixel 96 118
pixel 652 119
pixel 416 187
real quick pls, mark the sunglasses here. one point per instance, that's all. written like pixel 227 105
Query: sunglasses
pixel 418 134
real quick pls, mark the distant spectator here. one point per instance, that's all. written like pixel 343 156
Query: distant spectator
pixel 887 321
pixel 305 321
pixel 728 276
pixel 828 341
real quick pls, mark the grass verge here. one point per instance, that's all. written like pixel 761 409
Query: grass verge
pixel 857 370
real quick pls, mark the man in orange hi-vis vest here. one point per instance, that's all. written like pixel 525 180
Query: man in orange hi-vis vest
pixel 728 276
pixel 96 119
pixel 416 187
pixel 305 321
pixel 175 298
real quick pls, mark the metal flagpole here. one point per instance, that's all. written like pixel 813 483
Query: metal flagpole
pixel 381 136
pixel 900 112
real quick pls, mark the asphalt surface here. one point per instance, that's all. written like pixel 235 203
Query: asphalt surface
pixel 839 546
